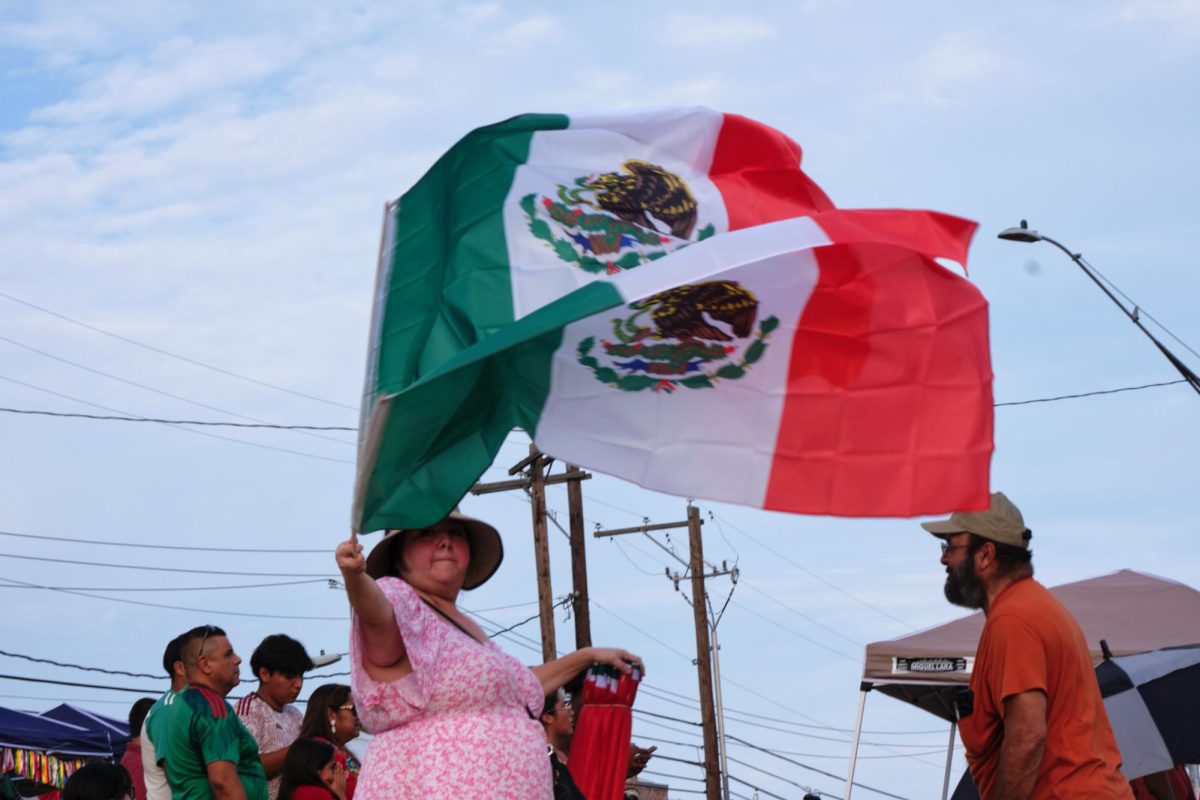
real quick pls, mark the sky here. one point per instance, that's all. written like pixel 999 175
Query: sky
pixel 190 206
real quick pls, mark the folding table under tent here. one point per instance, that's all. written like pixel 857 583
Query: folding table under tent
pixel 1131 611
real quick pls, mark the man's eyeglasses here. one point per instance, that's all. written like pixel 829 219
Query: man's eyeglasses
pixel 947 547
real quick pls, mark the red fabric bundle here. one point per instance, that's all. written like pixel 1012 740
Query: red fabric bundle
pixel 600 747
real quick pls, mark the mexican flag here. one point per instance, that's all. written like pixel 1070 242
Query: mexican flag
pixel 666 297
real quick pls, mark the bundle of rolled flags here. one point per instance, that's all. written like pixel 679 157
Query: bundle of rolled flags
pixel 603 726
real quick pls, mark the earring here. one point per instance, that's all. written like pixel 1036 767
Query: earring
pixel 333 726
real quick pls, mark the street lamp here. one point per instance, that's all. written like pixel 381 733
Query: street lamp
pixel 1027 235
pixel 324 660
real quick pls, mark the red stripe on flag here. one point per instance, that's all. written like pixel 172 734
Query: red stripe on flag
pixel 889 405
pixel 757 170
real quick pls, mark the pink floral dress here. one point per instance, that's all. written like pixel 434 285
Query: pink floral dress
pixel 459 726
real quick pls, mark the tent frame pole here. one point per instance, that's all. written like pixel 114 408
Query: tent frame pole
pixel 863 688
pixel 949 760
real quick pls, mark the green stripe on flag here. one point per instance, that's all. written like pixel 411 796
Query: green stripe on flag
pixel 449 285
pixel 444 430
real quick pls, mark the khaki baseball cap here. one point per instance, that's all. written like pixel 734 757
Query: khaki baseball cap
pixel 1001 523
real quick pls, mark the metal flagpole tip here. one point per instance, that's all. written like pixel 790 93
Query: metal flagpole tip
pixel 1020 234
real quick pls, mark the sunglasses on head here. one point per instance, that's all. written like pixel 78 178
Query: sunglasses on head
pixel 208 631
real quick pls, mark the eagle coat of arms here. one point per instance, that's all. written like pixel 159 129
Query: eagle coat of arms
pixel 616 221
pixel 696 336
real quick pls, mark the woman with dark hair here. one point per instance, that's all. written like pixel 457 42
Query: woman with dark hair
pixel 100 780
pixel 331 717
pixel 132 760
pixel 310 772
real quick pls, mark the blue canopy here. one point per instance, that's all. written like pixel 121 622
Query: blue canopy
pixel 33 732
pixel 114 731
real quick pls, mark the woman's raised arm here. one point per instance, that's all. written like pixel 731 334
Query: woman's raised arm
pixel 381 642
pixel 553 675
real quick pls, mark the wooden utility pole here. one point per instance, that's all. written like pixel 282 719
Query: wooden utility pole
pixel 708 719
pixel 579 587
pixel 708 716
pixel 541 554
pixel 534 479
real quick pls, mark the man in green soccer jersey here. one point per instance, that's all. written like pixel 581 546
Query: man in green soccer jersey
pixel 155 776
pixel 208 753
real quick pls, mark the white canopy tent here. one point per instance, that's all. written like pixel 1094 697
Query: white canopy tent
pixel 1131 611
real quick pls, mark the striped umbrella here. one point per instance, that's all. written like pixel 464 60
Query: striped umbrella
pixel 1153 703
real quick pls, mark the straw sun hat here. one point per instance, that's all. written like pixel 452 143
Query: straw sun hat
pixel 486 551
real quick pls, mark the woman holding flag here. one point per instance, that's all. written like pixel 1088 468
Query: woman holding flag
pixel 453 716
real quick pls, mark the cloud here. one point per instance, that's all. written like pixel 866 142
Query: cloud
pixel 693 29
pixel 1180 18
pixel 1172 11
pixel 956 61
pixel 176 71
pixel 520 36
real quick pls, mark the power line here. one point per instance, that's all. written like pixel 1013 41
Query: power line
pixel 169 354
pixel 146 388
pixel 502 608
pixel 177 608
pixel 170 569
pixel 729 710
pixel 592 600
pixel 796 633
pixel 823 580
pixel 176 427
pixel 186 422
pixel 81 685
pixel 52 662
pixel 758 789
pixel 1141 312
pixel 1091 394
pixel 274 426
pixel 749 585
pixel 161 546
pixel 563 603
pixel 64 699
pixel 802 787
pixel 774 700
pixel 165 588
pixel 761 726
pixel 811 768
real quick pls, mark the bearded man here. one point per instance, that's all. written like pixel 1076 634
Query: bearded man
pixel 1033 723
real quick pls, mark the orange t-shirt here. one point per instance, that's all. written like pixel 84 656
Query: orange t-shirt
pixel 1031 642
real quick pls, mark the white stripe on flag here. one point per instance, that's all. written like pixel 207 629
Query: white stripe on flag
pixel 682 143
pixel 716 442
pixel 708 259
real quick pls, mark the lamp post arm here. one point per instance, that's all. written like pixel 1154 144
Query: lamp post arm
pixel 1191 377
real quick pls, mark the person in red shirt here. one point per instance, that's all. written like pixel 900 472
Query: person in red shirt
pixel 331 716
pixel 132 760
pixel 1033 724
pixel 1171 784
pixel 310 772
